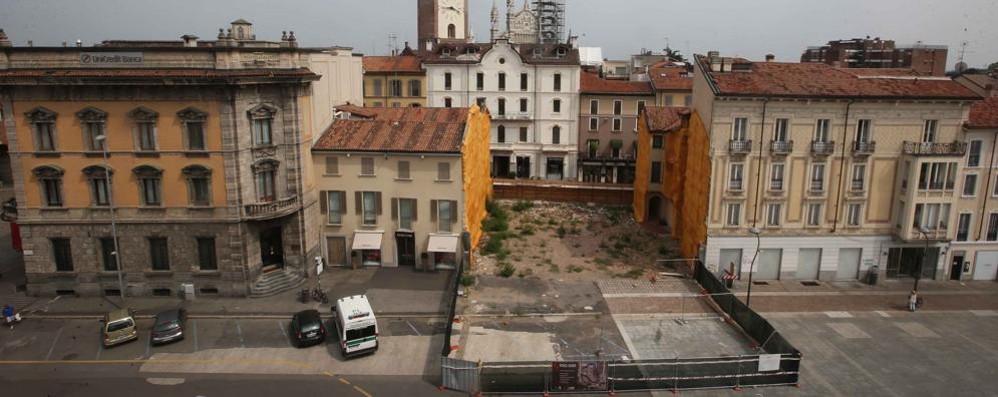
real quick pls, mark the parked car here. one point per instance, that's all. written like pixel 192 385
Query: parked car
pixel 118 327
pixel 169 326
pixel 307 328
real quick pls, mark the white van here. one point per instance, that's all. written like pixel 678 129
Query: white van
pixel 356 326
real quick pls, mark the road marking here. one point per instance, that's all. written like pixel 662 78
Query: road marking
pixel 413 328
pixel 239 331
pixel 148 344
pixel 917 330
pixel 165 381
pixel 362 391
pixel 849 331
pixel 985 313
pixel 194 323
pixel 283 331
pixel 99 350
pixel 882 313
pixel 838 314
pixel 344 381
pixel 54 342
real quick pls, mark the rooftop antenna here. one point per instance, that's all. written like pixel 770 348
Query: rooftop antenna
pixel 393 44
pixel 963 50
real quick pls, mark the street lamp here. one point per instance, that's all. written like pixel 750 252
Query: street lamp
pixel 114 225
pixel 921 264
pixel 758 244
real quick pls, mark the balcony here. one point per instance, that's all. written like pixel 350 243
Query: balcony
pixel 512 116
pixel 863 148
pixel 781 147
pixel 819 148
pixel 954 149
pixel 271 210
pixel 739 147
pixel 857 186
pixel 735 187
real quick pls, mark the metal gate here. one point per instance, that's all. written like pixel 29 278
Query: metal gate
pixel 460 375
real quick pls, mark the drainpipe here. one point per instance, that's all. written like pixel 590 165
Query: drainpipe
pixel 758 169
pixel 842 168
pixel 987 188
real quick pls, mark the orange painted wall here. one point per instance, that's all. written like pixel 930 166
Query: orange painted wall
pixel 689 152
pixel 122 148
pixel 642 170
pixel 475 165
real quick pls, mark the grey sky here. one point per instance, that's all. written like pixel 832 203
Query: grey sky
pixel 748 28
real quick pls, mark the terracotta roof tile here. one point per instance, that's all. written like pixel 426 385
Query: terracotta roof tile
pixel 662 118
pixel 12 75
pixel 670 78
pixel 593 84
pixel 397 130
pixel 984 114
pixel 779 79
pixel 402 64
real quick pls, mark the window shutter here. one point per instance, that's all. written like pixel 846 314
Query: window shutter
pixel 343 202
pixel 324 202
pixel 359 199
pixel 453 212
pixel 433 210
pixel 395 208
pixel 377 202
pixel 415 210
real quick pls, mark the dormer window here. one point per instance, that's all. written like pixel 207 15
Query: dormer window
pixel 561 52
pixel 445 51
pixel 92 121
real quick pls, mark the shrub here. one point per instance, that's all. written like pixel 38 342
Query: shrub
pixel 553 268
pixel 506 269
pixel 562 231
pixel 576 269
pixel 467 280
pixel 527 231
pixel 522 205
pixel 602 262
pixel 492 246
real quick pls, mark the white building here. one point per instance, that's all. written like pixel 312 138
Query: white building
pixel 532 92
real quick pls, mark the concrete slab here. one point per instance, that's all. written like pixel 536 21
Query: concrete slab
pixel 500 345
pixel 849 331
pixel 916 330
pixel 664 338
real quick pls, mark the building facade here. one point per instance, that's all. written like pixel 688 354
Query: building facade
pixel 973 254
pixel 398 187
pixel 441 21
pixel 394 81
pixel 608 127
pixel 836 172
pixel 207 167
pixel 532 93
pixel 673 84
pixel 927 60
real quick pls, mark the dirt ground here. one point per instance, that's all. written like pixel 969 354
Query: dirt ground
pixel 571 242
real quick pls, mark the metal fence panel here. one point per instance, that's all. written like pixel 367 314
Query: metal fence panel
pixel 460 375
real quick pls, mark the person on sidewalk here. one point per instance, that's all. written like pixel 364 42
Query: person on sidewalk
pixel 912 301
pixel 9 315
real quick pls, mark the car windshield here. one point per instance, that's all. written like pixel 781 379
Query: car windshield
pixel 167 326
pixel 119 325
pixel 360 333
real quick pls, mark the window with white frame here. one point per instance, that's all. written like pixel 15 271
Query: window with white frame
pixel 774 213
pixel 974 153
pixel 618 107
pixel 739 130
pixel 593 123
pixel 198 185
pixel 937 176
pixel 100 192
pixel 929 132
pixel 194 128
pixel 776 177
pixel 821 130
pixel 406 212
pixel 617 124
pixel 734 216
pixel 970 185
pixel 266 180
pixel 781 130
pixel 814 214
pixel 43 125
pixel 93 121
pixel 864 130
pixel 262 134
pixel 145 128
pixel 963 227
pixel 818 177
pixel 735 177
pixel 931 216
pixel 370 206
pixel 50 181
pixel 336 206
pixel 150 185
pixel 854 214
pixel 445 212
pixel 858 177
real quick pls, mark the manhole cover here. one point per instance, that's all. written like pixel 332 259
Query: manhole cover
pixel 809 283
pixel 760 282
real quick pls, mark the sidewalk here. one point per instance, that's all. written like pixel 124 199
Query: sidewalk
pixel 392 292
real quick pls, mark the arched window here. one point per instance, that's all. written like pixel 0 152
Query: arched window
pixel 451 31
pixel 556 135
pixel 50 182
pixel 198 184
pixel 100 185
pixel 262 117
pixel 501 134
pixel 150 180
pixel 265 172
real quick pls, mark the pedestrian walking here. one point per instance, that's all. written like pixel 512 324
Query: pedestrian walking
pixel 912 301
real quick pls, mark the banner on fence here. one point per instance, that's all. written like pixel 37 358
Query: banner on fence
pixel 578 375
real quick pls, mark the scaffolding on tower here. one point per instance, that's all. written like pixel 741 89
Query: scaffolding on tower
pixel 550 21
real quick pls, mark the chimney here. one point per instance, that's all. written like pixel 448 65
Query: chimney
pixel 79 43
pixel 770 57
pixel 190 40
pixel 715 60
pixel 4 41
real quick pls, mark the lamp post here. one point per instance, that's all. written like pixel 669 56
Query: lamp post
pixel 114 224
pixel 758 244
pixel 921 264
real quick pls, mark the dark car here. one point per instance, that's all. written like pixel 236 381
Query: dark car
pixel 307 328
pixel 169 326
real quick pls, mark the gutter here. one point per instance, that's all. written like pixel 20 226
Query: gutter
pixel 842 168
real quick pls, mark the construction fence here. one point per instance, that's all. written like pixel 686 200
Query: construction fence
pixel 563 191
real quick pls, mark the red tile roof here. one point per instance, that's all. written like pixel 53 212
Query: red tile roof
pixel 396 130
pixel 593 84
pixel 56 75
pixel 670 78
pixel 808 80
pixel 984 114
pixel 662 118
pixel 398 64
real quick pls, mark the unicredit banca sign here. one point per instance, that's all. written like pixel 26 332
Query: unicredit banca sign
pixel 110 58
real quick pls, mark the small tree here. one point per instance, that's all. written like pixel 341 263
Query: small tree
pixel 674 55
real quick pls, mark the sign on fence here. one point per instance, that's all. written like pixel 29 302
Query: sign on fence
pixel 769 362
pixel 578 375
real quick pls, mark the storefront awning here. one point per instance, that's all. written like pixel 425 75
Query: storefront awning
pixel 443 244
pixel 367 241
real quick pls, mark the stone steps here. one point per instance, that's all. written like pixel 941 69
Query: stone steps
pixel 275 282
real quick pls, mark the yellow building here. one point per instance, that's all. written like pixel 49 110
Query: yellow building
pixel 202 169
pixel 394 81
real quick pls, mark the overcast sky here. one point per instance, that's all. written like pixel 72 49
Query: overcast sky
pixel 747 28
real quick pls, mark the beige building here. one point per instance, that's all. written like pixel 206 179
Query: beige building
pixel 608 127
pixel 393 186
pixel 973 254
pixel 394 81
pixel 837 170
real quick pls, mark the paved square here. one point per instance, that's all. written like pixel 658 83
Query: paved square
pixel 670 338
pixel 849 331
